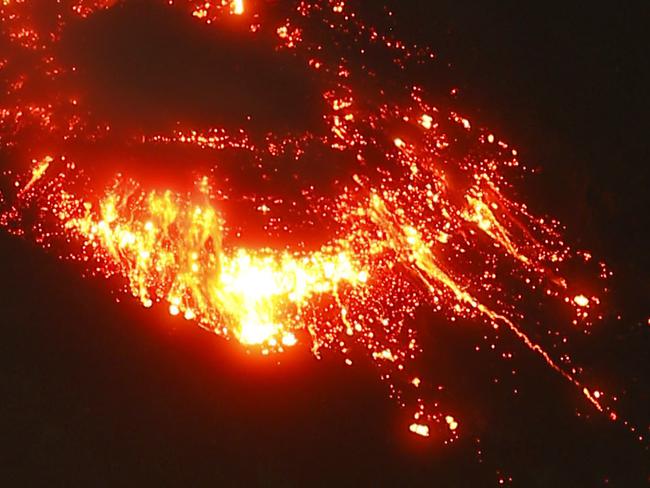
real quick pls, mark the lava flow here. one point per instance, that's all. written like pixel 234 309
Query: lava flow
pixel 424 212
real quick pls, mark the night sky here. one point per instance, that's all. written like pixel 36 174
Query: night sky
pixel 94 392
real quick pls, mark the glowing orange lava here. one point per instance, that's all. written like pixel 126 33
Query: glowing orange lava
pixel 412 225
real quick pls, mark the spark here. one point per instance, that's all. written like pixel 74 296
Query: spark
pixel 37 173
pixel 451 422
pixel 237 7
pixel 581 300
pixel 420 429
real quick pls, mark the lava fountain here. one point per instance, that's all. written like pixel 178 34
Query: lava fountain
pixel 424 211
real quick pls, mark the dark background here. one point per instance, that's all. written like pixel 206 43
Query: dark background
pixel 98 393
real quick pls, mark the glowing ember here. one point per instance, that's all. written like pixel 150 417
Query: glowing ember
pixel 419 429
pixel 413 224
pixel 451 422
pixel 581 300
pixel 237 7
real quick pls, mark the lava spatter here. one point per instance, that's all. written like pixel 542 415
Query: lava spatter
pixel 425 212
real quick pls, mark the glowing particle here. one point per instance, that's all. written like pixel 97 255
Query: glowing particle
pixel 426 121
pixel 420 429
pixel 581 300
pixel 451 422
pixel 289 339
